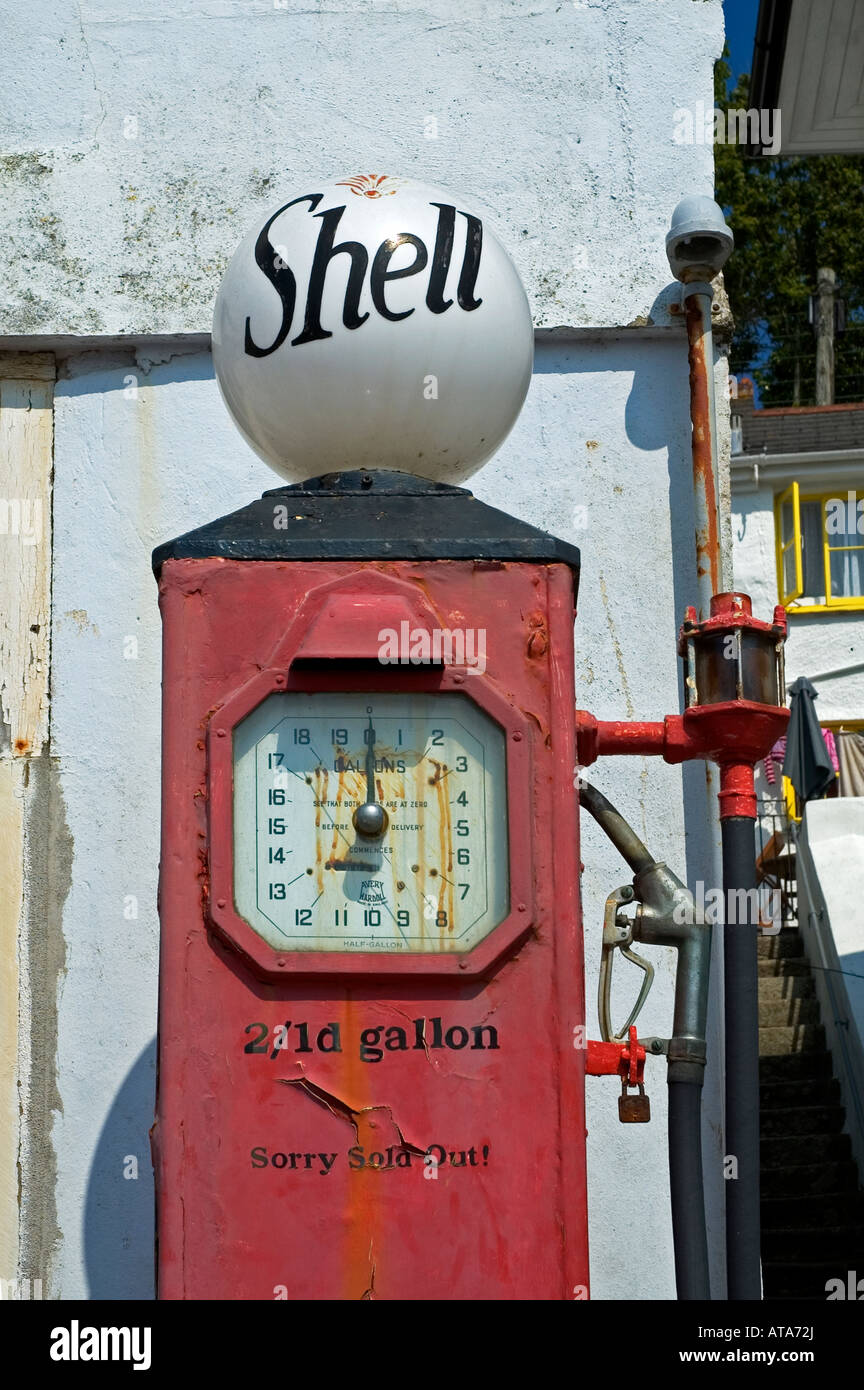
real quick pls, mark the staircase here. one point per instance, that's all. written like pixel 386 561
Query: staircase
pixel 812 1207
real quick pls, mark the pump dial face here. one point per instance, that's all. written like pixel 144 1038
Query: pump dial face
pixel 370 822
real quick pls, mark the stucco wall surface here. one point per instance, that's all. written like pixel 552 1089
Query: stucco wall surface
pixel 137 145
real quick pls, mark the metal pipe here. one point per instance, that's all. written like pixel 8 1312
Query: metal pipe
pixel 698 245
pixel 667 917
pixel 850 670
pixel 623 837
pixel 698 301
pixel 743 1272
pixel 688 1201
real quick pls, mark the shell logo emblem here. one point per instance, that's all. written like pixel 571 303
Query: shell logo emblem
pixel 371 185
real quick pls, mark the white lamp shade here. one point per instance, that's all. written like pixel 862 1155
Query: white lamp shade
pixel 373 322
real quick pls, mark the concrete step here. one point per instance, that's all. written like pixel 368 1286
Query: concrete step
pixel 789 1151
pixel 781 1013
pixel 833 1209
pixel 786 987
pixel 800 1120
pixel 775 1095
pixel 842 1244
pixel 794 1066
pixel 800 1037
pixel 768 967
pixel 784 1280
pixel 810 1180
pixel 783 946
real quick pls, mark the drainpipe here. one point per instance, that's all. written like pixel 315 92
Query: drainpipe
pixel 741 978
pixel 698 245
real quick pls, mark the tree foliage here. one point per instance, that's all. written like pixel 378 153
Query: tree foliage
pixel 791 216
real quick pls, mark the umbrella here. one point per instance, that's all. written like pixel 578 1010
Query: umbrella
pixel 807 763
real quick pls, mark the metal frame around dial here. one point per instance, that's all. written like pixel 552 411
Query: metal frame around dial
pixel 270 963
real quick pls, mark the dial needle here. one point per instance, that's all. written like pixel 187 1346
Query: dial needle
pixel 370 819
pixel 371 799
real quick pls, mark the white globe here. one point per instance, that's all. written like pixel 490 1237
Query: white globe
pixel 373 322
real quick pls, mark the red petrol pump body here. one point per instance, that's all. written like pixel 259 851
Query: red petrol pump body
pixel 371 1049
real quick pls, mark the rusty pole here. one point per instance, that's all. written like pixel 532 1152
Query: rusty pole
pixel 698 245
pixel 698 301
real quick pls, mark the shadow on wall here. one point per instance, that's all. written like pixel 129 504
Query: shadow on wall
pixel 119 1212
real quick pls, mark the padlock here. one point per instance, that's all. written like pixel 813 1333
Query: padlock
pixel 633 1110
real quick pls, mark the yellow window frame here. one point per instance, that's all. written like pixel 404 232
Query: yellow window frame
pixel 790 599
pixel 784 544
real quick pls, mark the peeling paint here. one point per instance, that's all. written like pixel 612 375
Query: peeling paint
pixel 364 1126
pixel 48 852
pixel 80 618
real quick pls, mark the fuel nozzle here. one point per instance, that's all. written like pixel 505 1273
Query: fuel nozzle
pixel 666 916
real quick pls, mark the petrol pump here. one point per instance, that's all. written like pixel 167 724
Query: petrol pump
pixel 372 1039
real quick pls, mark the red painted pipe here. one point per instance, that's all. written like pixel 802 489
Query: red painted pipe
pixel 734 734
pixel 737 795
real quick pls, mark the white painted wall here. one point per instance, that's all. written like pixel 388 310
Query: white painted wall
pixel 817 641
pixel 139 143
pixel 151 141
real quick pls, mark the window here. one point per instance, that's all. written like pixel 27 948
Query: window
pixel 820 549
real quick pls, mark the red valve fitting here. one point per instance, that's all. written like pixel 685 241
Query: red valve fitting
pixel 626 1060
pixel 730 654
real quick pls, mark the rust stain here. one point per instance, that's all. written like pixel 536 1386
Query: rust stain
pixel 321 795
pixel 704 482
pixel 209 715
pixel 538 635
pixel 203 874
pixel 616 645
pixel 376 1130
pixel 442 796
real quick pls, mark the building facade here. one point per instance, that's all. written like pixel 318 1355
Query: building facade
pixel 798 527
pixel 137 150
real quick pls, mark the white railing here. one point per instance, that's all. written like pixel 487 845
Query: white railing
pixel 830 874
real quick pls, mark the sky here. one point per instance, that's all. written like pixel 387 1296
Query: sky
pixel 740 18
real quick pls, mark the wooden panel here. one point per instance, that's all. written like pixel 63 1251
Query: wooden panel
pixel 25 558
pixel 26 401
